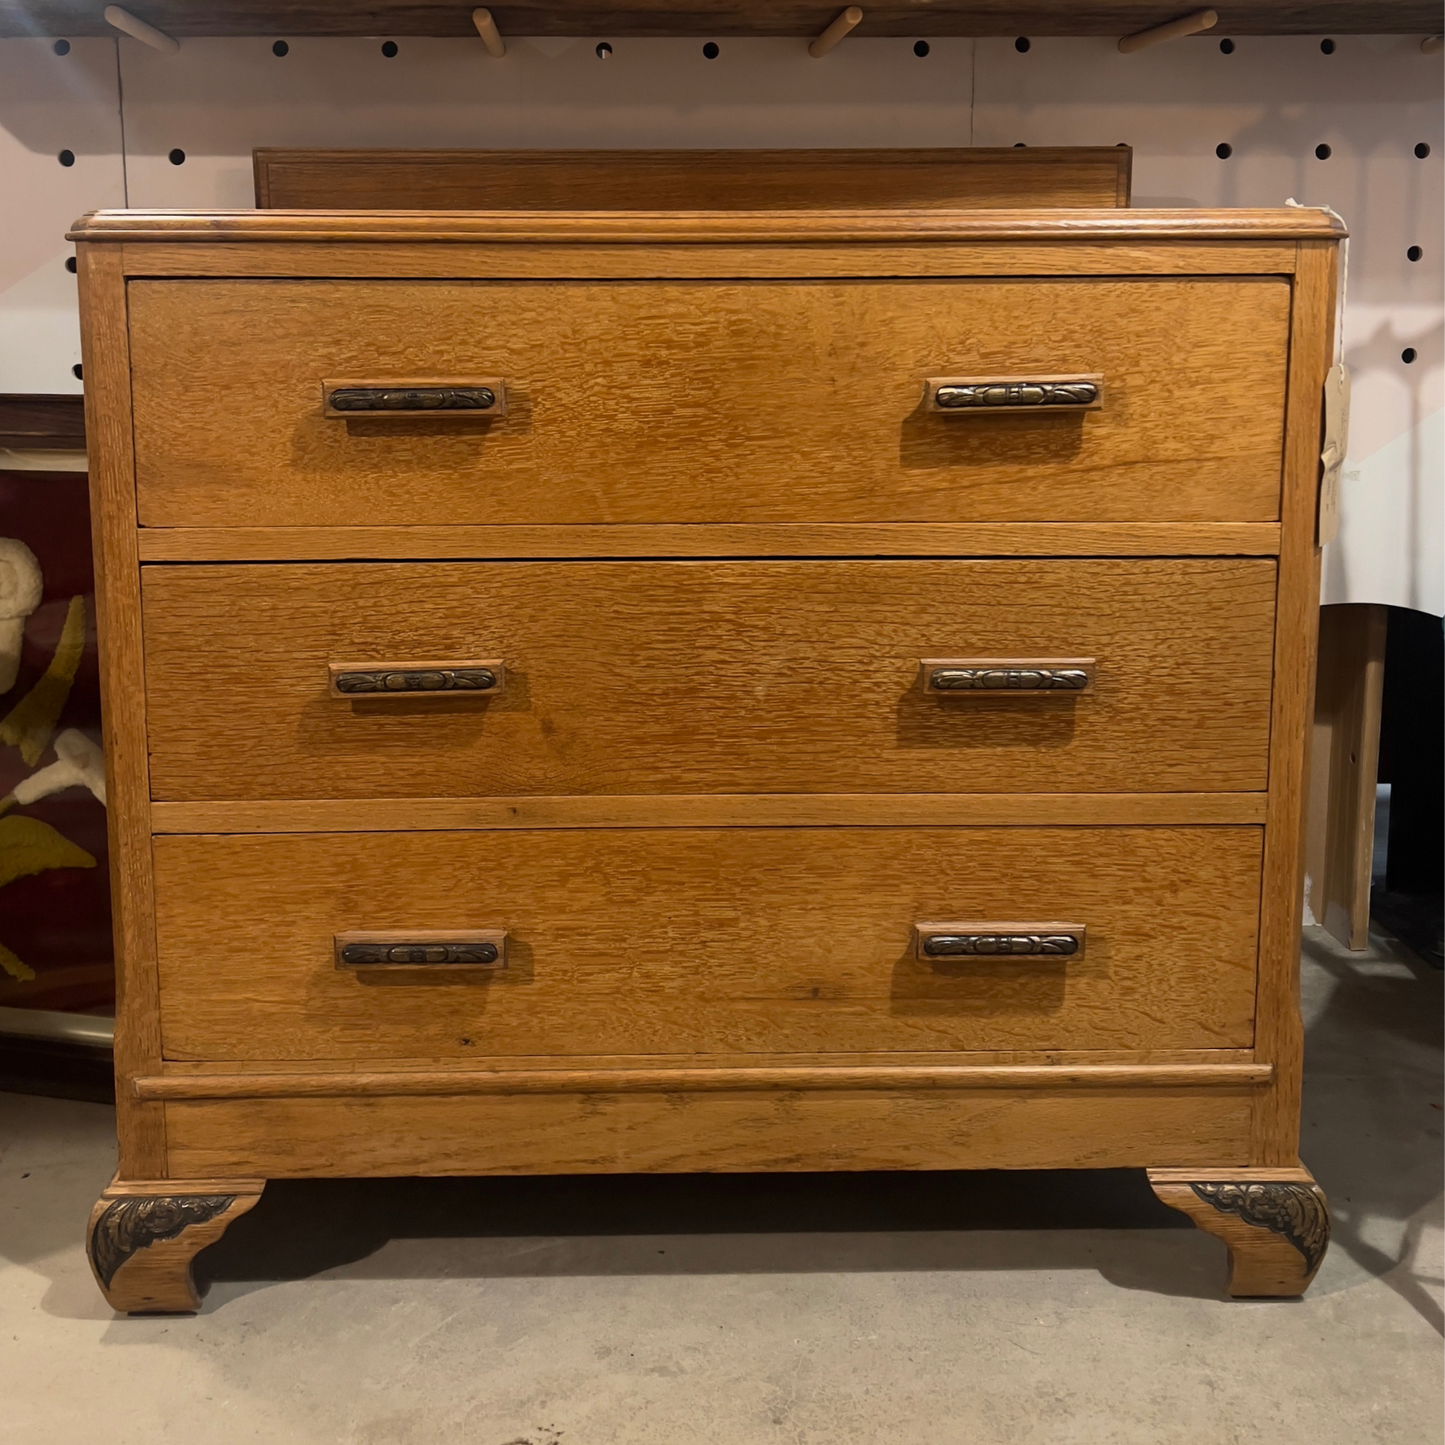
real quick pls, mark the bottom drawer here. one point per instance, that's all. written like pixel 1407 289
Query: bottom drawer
pixel 721 941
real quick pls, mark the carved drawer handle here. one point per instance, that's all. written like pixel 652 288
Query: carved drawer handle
pixel 415 679
pixel 471 396
pixel 1007 676
pixel 984 395
pixel 422 948
pixel 999 940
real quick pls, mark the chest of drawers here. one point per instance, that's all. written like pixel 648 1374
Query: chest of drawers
pixel 711 691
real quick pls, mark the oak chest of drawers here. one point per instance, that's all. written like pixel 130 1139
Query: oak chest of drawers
pixel 706 692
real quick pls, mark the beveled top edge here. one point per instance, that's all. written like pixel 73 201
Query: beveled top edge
pixel 1292 223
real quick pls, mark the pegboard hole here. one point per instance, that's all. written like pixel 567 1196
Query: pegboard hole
pixel 78 371
pixel 1421 151
pixel 1021 44
pixel 70 264
pixel 1323 153
pixel 604 51
pixel 1224 150
pixel 61 47
pixel 1327 47
pixel 1226 47
pixel 1408 355
pixel 1414 253
pixel 711 50
pixel 920 48
pixel 280 47
pixel 177 157
pixel 389 48
pixel 66 158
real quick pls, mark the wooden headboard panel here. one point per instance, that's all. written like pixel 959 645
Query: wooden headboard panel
pixel 692 180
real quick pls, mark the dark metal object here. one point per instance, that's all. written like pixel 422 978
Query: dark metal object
pixel 128 1225
pixel 993 945
pixel 396 680
pixel 1294 1211
pixel 359 955
pixel 413 398
pixel 1008 679
pixel 997 395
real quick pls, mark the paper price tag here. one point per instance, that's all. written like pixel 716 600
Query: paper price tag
pixel 1332 456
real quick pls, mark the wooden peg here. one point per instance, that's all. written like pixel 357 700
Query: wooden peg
pixel 1432 44
pixel 1171 30
pixel 487 29
pixel 847 20
pixel 137 29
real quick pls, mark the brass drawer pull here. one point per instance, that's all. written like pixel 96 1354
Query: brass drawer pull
pixel 422 948
pixel 981 395
pixel 472 397
pixel 999 940
pixel 415 679
pixel 1007 676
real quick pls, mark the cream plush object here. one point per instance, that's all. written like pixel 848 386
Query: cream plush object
pixel 79 764
pixel 20 591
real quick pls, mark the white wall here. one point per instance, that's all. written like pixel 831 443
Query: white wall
pixel 121 109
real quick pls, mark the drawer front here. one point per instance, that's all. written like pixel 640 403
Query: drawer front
pixel 704 677
pixel 707 401
pixel 698 941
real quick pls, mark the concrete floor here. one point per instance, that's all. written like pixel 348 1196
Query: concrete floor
pixel 846 1310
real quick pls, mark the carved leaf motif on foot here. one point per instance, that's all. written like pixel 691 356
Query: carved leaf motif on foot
pixel 1294 1211
pixel 128 1225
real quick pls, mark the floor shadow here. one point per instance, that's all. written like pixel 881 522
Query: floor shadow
pixel 696 1223
pixel 1372 1125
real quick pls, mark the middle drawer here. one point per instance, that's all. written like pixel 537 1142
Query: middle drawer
pixel 707 677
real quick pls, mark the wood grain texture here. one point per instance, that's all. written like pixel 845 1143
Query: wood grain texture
pixel 1275 1223
pixel 42 423
pixel 454 1083
pixel 705 810
pixel 105 348
pixel 1281 1036
pixel 1344 764
pixel 691 180
pixel 686 941
pixel 617 392
pixel 648 1133
pixel 780 539
pixel 707 677
pixel 734 384
pixel 719 18
pixel 634 228
pixel 143 1238
pixel 1049 254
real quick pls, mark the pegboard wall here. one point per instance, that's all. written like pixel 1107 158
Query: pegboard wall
pixel 1353 122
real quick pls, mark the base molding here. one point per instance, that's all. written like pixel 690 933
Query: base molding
pixel 1274 1222
pixel 144 1236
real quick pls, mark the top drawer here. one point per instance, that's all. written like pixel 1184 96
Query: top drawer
pixel 708 401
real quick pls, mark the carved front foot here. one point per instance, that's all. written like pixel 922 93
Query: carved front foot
pixel 1274 1221
pixel 144 1236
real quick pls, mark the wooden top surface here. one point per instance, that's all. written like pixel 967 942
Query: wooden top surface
pixel 674 227
pixel 719 18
